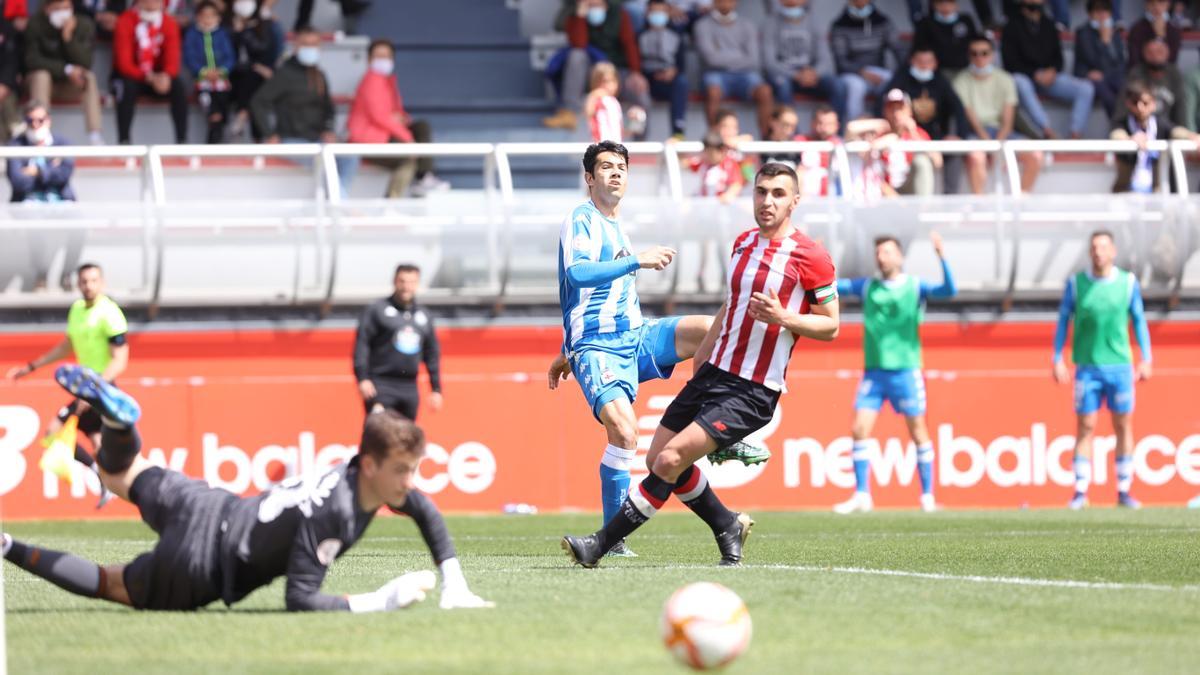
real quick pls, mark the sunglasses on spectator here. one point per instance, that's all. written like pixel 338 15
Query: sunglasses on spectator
pixel 36 121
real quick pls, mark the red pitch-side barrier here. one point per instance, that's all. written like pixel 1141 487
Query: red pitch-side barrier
pixel 241 408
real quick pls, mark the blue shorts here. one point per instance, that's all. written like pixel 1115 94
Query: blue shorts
pixel 904 389
pixel 1111 385
pixel 610 365
pixel 738 85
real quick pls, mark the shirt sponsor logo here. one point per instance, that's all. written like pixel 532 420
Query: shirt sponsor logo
pixel 408 341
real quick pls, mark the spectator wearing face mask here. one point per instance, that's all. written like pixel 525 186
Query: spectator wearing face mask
pixel 732 60
pixel 935 107
pixel 208 54
pixel 861 38
pixel 58 61
pixel 378 116
pixel 1100 54
pixel 596 31
pixel 1164 82
pixel 792 56
pixel 662 63
pixel 40 179
pixel 1155 25
pixel 146 61
pixel 946 31
pixel 258 41
pixel 1033 54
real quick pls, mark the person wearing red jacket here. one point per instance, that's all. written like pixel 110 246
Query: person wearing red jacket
pixel 377 115
pixel 146 58
pixel 597 30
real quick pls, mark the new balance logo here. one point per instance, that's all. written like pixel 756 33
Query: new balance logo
pixel 720 426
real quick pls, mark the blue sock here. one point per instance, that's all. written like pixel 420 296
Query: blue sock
pixel 925 467
pixel 861 454
pixel 614 479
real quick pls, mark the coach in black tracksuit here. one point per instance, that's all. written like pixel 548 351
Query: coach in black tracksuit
pixel 394 336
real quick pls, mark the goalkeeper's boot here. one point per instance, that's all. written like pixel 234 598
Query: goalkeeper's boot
pixel 584 551
pixel 741 451
pixel 87 385
pixel 731 541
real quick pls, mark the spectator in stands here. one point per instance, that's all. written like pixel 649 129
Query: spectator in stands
pixel 888 173
pixel 40 179
pixel 10 69
pixel 1100 54
pixel 1164 81
pixel 601 107
pixel 208 54
pixel 720 175
pixel 58 61
pixel 258 40
pixel 784 123
pixel 983 10
pixel 729 128
pixel 377 115
pixel 103 13
pixel 146 60
pixel 1155 25
pixel 294 106
pixel 947 32
pixel 989 98
pixel 1033 54
pixel 732 60
pixel 15 12
pixel 662 63
pixel 860 39
pixel 792 54
pixel 594 33
pixel 351 11
pixel 1142 123
pixel 817 178
pixel 936 108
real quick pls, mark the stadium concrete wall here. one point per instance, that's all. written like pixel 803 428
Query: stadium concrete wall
pixel 244 409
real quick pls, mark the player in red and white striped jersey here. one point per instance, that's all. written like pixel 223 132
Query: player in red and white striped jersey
pixel 782 286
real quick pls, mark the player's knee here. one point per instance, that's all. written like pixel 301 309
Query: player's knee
pixel 622 432
pixel 667 464
pixel 1086 427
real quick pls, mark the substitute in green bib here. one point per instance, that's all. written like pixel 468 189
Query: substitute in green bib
pixel 893 309
pixel 96 336
pixel 1101 302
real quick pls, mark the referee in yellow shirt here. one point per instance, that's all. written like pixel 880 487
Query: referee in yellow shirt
pixel 97 336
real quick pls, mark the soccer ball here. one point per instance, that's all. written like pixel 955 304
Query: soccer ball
pixel 705 625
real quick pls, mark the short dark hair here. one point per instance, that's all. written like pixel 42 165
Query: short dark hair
pixel 206 4
pixel 713 141
pixel 1097 5
pixel 595 149
pixel 1102 233
pixel 722 114
pixel 35 104
pixel 301 30
pixel 980 37
pixel 921 48
pixel 885 238
pixel 388 430
pixel 823 109
pixel 780 110
pixel 1135 90
pixel 88 266
pixel 381 42
pixel 406 267
pixel 657 2
pixel 773 169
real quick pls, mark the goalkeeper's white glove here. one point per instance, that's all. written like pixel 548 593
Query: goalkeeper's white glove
pixel 396 594
pixel 455 593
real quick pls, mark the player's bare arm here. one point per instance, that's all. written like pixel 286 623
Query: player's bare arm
pixel 704 352
pixel 118 363
pixel 560 370
pixel 822 324
pixel 656 258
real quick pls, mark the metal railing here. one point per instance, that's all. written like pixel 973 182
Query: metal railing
pixel 1004 214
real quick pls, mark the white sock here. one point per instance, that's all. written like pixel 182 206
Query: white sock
pixel 8 541
pixel 96 138
pixel 1083 474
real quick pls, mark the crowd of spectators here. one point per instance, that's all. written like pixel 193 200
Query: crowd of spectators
pixel 225 56
pixel 958 78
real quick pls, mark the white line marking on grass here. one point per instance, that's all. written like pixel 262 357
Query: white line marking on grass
pixel 1011 581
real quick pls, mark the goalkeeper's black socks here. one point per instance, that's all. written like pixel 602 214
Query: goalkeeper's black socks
pixel 69 572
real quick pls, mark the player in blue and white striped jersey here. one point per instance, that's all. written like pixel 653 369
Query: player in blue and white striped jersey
pixel 607 343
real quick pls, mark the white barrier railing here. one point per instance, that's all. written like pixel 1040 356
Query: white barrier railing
pixel 333 214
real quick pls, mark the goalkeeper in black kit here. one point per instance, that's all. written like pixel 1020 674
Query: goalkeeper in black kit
pixel 214 545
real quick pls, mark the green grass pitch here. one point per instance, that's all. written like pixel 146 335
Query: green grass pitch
pixel 1102 591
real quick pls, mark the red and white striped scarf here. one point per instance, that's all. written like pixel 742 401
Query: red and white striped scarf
pixel 149 45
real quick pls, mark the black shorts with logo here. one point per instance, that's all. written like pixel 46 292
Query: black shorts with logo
pixel 183 571
pixel 726 406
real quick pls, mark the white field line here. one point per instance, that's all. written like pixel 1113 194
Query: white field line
pixel 973 578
